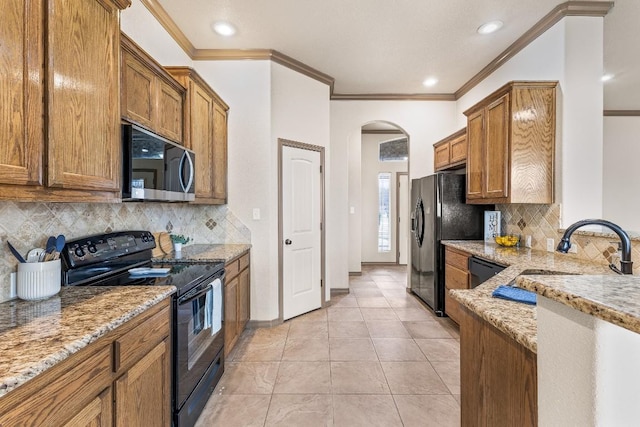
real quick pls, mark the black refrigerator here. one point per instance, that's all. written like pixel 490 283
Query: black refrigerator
pixel 439 213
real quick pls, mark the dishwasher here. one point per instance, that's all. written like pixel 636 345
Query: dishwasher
pixel 482 270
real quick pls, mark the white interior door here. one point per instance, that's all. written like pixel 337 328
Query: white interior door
pixel 403 222
pixel 301 231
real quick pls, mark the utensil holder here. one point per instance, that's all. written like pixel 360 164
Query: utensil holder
pixel 38 280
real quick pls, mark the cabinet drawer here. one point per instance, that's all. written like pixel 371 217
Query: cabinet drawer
pixel 452 307
pixel 455 278
pixel 231 270
pixel 244 262
pixel 457 259
pixel 133 345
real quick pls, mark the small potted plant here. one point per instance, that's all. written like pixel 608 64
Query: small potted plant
pixel 179 240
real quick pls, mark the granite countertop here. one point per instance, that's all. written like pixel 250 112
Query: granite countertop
pixel 206 253
pixel 615 299
pixel 35 335
pixel 515 319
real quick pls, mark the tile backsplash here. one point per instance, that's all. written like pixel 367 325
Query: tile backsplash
pixel 543 221
pixel 27 225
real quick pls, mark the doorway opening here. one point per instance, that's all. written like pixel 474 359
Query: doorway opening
pixel 384 194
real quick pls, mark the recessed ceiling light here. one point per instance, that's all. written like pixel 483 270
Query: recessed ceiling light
pixel 607 77
pixel 223 28
pixel 431 81
pixel 490 27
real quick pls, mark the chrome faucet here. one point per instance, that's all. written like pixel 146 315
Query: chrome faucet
pixel 626 265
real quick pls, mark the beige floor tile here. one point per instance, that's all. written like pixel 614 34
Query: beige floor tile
pixel 457 398
pixel 248 378
pixel 449 371
pixel 450 326
pixel 309 330
pixel 394 285
pixel 381 277
pixel 365 411
pixel 311 410
pixel 348 330
pixel 378 302
pixel 428 410
pixel 303 378
pixel 344 301
pixel 235 411
pixel 367 292
pixel 319 315
pixel 358 378
pixel 306 349
pixel 394 293
pixel 351 349
pixel 268 334
pixel 428 329
pixel 403 302
pixel 397 349
pixel 259 350
pixel 375 313
pixel 344 314
pixel 414 314
pixel 413 378
pixel 440 349
pixel 387 329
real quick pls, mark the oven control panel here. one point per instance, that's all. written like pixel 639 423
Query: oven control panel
pixel 102 247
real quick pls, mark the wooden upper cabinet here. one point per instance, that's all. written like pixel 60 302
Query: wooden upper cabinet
pixel 21 108
pixel 451 152
pixel 205 130
pixel 83 126
pixel 511 144
pixel 150 96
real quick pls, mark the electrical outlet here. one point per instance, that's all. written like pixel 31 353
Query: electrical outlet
pixel 527 241
pixel 551 245
pixel 256 214
pixel 13 292
pixel 573 249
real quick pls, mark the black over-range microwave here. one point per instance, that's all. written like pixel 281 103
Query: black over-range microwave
pixel 155 168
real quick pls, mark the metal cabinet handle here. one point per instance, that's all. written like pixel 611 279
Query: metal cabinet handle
pixel 287 242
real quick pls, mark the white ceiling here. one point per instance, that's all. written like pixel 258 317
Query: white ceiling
pixel 391 46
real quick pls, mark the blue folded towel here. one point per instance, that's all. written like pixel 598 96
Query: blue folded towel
pixel 515 294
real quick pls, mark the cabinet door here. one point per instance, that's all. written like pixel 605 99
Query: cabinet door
pixel 220 154
pixel 230 314
pixel 475 154
pixel 21 106
pixel 496 149
pixel 458 150
pixel 243 300
pixel 201 139
pixel 97 413
pixel 143 393
pixel 441 156
pixel 138 88
pixel 83 125
pixel 169 112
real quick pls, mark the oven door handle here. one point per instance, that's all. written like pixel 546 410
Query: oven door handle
pixel 189 296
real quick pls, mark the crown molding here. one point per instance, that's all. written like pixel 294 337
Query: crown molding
pixel 621 113
pixel 570 8
pixel 393 97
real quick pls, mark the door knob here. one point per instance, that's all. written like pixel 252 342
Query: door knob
pixel 287 242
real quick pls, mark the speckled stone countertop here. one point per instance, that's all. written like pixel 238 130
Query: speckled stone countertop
pixel 35 335
pixel 206 253
pixel 615 299
pixel 516 320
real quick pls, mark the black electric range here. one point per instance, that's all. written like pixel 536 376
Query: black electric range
pixel 124 258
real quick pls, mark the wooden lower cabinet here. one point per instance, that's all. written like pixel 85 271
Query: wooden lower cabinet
pixel 498 377
pixel 237 300
pixel 100 385
pixel 456 276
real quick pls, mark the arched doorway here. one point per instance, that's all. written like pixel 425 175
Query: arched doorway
pixel 384 218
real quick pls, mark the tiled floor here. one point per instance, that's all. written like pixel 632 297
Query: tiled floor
pixel 375 357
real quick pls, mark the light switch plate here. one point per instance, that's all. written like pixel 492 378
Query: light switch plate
pixel 256 214
pixel 551 245
pixel 527 241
